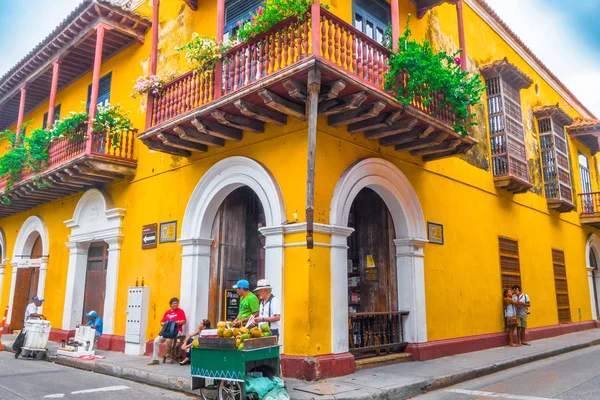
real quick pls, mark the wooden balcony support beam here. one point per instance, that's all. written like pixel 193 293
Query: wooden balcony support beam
pixel 346 103
pixel 402 126
pixel 280 104
pixel 420 133
pixel 381 121
pixel 193 135
pixel 332 90
pixel 159 146
pixel 423 144
pixel 239 122
pixel 359 114
pixel 264 114
pixel 218 130
pixel 176 141
pixel 295 89
pixel 87 169
pixel 440 148
pixel 109 166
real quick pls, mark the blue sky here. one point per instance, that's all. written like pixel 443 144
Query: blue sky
pixel 566 39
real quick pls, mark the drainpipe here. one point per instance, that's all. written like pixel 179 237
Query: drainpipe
pixel 461 35
pixel 153 59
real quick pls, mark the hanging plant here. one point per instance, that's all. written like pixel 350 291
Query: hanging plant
pixel 271 13
pixel 417 72
pixel 152 84
pixel 203 52
pixel 14 160
pixel 73 127
pixel 37 144
pixel 112 121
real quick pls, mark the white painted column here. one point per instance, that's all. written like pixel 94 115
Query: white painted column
pixel 11 298
pixel 274 240
pixel 42 280
pixel 195 280
pixel 2 270
pixel 411 288
pixel 590 271
pixel 75 289
pixel 112 280
pixel 339 289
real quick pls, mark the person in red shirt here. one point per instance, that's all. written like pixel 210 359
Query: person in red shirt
pixel 172 314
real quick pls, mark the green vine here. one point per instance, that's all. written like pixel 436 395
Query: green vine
pixel 417 72
pixel 112 121
pixel 14 160
pixel 73 127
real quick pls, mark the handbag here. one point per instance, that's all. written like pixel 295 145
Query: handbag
pixel 511 321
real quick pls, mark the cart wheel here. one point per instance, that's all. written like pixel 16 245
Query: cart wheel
pixel 210 392
pixel 39 355
pixel 229 390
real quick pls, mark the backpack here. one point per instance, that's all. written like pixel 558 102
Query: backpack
pixel 169 330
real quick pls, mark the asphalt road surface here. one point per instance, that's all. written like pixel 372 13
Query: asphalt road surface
pixel 570 376
pixel 32 379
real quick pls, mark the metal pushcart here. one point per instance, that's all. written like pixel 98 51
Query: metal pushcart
pixel 36 338
pixel 219 370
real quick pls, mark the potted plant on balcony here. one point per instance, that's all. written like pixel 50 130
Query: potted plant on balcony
pixel 73 127
pixel 416 72
pixel 203 52
pixel 152 84
pixel 111 121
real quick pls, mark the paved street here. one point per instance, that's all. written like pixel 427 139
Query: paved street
pixel 570 376
pixel 30 379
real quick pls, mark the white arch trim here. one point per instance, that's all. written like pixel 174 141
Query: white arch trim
pixel 23 247
pixel 593 242
pixel 94 219
pixel 396 191
pixel 212 189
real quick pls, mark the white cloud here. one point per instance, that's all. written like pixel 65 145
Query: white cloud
pixel 544 31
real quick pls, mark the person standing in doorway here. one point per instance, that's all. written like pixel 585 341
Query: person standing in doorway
pixel 33 309
pixel 248 303
pixel 522 313
pixel 270 307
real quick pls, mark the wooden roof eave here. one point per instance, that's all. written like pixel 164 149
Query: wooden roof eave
pixel 555 112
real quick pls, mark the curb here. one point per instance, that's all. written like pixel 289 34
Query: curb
pixel 182 384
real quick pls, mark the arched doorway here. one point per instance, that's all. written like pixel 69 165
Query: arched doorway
pixel 387 185
pixel 238 247
pixel 592 253
pixel 3 259
pixel 29 263
pixel 94 255
pixel 198 234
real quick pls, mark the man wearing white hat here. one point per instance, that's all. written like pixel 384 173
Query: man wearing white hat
pixel 270 307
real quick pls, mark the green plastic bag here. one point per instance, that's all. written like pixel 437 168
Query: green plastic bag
pixel 277 394
pixel 259 385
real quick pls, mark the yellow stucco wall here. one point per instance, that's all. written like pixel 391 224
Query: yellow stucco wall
pixel 462 276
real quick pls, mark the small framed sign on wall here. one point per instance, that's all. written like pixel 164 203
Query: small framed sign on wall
pixel 168 232
pixel 435 233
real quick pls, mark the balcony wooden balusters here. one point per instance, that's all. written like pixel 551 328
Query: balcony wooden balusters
pixel 590 209
pixel 376 332
pixel 103 145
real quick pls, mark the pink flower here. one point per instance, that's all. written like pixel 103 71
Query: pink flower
pixel 457 60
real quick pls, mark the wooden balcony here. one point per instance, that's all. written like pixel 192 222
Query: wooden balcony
pixel 590 209
pixel 72 167
pixel 265 82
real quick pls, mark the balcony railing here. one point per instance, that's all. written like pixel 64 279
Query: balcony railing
pixel 64 152
pixel 590 203
pixel 376 332
pixel 281 48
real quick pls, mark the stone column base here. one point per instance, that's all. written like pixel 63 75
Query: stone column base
pixel 58 335
pixel 318 367
pixel 111 343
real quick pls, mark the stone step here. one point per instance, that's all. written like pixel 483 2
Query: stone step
pixel 378 361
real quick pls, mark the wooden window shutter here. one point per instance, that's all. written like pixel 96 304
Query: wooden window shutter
pixel 103 91
pixel 236 11
pixel 562 289
pixel 510 268
pixel 507 135
pixel 556 167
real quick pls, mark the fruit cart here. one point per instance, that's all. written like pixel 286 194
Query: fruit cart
pixel 219 369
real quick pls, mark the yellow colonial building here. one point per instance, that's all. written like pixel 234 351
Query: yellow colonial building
pixel 379 226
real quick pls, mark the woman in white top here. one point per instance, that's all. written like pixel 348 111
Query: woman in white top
pixel 270 307
pixel 510 315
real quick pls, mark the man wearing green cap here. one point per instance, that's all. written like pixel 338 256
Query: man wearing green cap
pixel 249 306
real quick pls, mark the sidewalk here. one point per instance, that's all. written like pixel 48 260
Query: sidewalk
pixel 398 381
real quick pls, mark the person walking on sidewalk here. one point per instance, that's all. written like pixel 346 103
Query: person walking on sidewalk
pixel 522 313
pixel 510 316
pixel 172 324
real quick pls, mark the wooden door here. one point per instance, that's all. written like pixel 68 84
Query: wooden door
pixel 371 288
pixel 95 279
pixel 238 247
pixel 25 287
